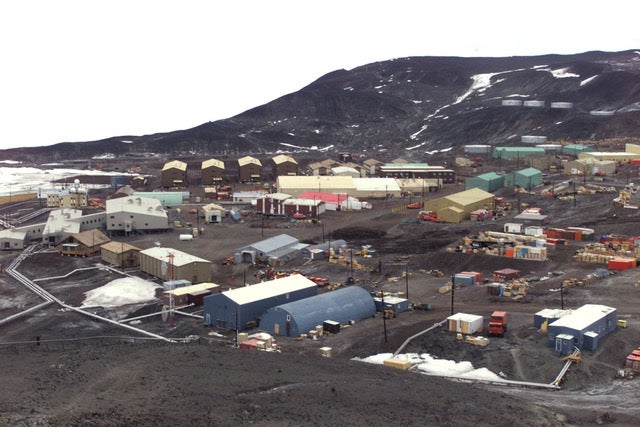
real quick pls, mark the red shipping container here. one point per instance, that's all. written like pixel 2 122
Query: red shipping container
pixel 621 263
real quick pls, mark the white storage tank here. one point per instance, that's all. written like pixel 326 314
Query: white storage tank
pixel 533 139
pixel 186 237
pixel 535 104
pixel 601 113
pixel 478 149
pixel 562 105
pixel 511 103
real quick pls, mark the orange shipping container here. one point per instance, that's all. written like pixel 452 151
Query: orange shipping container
pixel 509 252
pixel 621 263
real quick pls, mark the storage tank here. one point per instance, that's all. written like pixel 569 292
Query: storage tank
pixel 511 103
pixel 562 105
pixel 478 149
pixel 533 139
pixel 602 113
pixel 536 104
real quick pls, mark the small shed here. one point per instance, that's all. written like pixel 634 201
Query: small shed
pixel 337 245
pixel 397 304
pixel 465 323
pixel 242 308
pixel 120 254
pixel 506 274
pixel 191 294
pixel 298 317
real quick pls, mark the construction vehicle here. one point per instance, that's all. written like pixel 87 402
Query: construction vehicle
pixel 429 216
pixel 498 323
pixel 389 313
pixel 416 205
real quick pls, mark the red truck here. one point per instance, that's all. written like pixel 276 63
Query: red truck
pixel 498 323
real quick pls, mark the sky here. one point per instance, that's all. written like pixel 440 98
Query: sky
pixel 77 70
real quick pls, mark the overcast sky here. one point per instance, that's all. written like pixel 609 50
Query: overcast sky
pixel 78 70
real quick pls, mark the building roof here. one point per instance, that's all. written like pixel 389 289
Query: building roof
pixel 269 289
pixel 583 317
pixel 213 163
pixel 179 258
pixel 283 158
pixel 334 198
pixel 316 182
pixel 136 204
pixel 490 176
pixel 342 305
pixel 529 172
pixel 91 237
pixel 213 207
pixel 372 162
pixel 177 164
pixel 119 247
pixel 469 196
pixel 340 170
pixel 277 196
pixel 274 243
pixel 248 160
pixel 63 220
pixel 183 290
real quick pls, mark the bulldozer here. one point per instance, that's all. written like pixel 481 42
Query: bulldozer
pixel 389 313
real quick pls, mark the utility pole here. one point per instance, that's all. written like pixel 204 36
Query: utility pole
pixel 453 287
pixel 406 279
pixel 384 317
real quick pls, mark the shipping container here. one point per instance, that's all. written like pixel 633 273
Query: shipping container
pixel 621 263
pixel 465 323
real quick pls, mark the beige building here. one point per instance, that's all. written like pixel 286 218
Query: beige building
pixel 120 254
pixel 371 167
pixel 590 167
pixel 622 157
pixel 457 207
pixel 171 264
pixel 71 200
pixel 296 185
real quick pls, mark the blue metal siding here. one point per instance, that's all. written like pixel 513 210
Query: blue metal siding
pixel 343 305
pixel 220 310
pixel 601 326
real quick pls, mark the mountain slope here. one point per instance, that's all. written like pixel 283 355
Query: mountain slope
pixel 414 104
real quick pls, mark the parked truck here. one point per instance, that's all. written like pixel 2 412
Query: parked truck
pixel 498 323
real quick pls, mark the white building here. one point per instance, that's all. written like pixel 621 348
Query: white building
pixel 128 214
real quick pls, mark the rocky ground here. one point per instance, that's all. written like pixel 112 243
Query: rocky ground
pixel 86 372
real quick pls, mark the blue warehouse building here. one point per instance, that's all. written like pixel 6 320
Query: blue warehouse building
pixel 299 317
pixel 582 328
pixel 244 306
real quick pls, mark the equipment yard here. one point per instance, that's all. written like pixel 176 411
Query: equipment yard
pixel 66 366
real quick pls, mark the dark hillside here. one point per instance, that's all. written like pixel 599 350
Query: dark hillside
pixel 430 102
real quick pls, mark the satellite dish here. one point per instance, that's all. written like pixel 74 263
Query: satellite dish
pixel 165 313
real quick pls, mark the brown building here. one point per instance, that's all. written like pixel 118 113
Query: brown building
pixel 120 254
pixel 284 165
pixel 249 169
pixel 174 174
pixel 85 243
pixel 212 171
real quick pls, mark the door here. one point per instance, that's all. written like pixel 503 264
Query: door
pixel 276 329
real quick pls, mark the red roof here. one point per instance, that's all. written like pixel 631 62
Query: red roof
pixel 325 197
